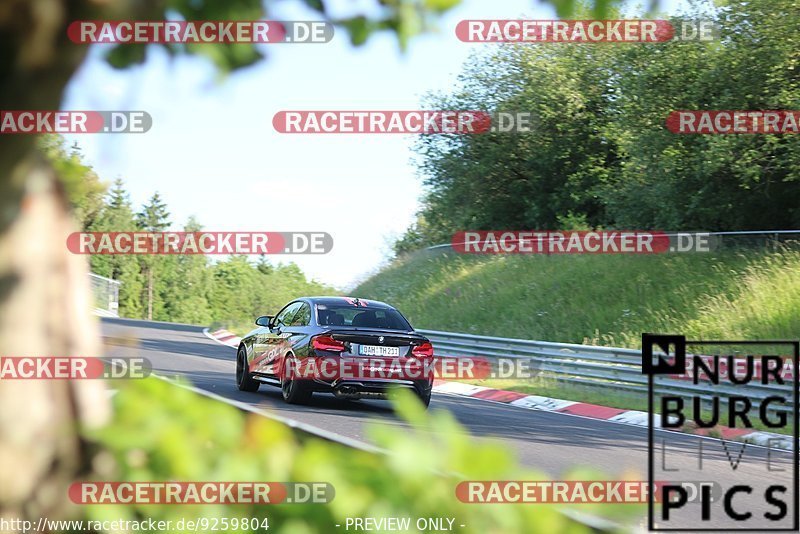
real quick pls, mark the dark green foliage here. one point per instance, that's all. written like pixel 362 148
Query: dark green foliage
pixel 186 288
pixel 599 152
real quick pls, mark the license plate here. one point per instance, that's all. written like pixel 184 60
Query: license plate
pixel 373 350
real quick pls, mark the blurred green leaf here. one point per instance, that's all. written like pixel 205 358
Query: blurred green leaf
pixel 123 56
pixel 162 432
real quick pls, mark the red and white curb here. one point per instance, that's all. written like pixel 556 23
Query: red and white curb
pixel 605 413
pixel 223 336
pixel 581 409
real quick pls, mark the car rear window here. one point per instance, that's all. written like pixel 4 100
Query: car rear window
pixel 361 317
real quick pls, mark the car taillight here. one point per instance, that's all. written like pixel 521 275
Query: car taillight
pixel 424 350
pixel 327 343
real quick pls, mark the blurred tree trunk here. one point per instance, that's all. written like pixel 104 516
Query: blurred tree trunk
pixel 44 292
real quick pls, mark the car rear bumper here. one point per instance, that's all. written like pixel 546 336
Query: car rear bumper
pixel 371 388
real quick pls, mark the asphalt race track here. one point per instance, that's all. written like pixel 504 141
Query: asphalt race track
pixel 552 443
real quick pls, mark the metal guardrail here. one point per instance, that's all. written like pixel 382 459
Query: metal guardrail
pixel 105 292
pixel 588 365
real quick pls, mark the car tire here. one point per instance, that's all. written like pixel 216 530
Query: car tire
pixel 295 391
pixel 244 381
pixel 425 398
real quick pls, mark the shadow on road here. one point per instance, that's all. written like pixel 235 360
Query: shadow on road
pixel 138 323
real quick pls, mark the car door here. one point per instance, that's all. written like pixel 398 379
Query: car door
pixel 298 330
pixel 271 340
pixel 295 336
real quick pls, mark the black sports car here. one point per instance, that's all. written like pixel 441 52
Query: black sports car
pixel 353 348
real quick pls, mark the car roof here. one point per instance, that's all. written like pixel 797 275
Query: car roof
pixel 347 301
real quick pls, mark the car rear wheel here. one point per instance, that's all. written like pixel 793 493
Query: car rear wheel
pixel 425 398
pixel 244 381
pixel 294 391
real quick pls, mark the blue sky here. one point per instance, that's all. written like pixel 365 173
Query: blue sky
pixel 212 152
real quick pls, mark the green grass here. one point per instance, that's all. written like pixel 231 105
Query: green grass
pixel 597 299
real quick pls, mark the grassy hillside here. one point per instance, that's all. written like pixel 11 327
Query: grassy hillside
pixel 601 299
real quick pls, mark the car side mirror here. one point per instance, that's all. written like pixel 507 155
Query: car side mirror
pixel 264 320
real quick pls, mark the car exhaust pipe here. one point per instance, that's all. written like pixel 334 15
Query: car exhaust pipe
pixel 347 392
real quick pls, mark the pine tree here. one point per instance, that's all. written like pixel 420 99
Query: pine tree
pixel 188 289
pixel 117 216
pixel 154 217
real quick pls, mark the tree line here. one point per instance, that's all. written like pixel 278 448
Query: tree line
pixel 179 288
pixel 599 154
